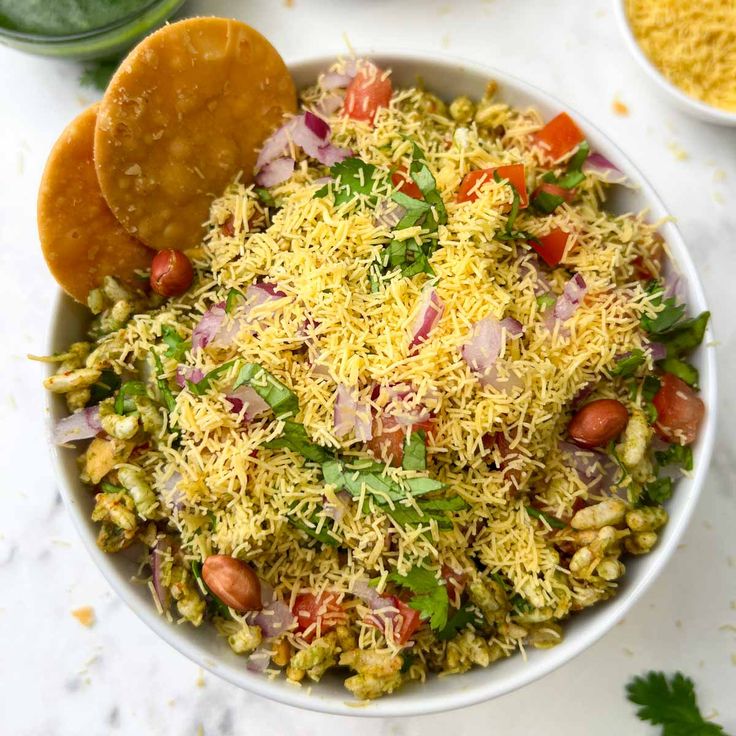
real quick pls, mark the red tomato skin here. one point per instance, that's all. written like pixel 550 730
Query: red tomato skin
pixel 308 609
pixel 404 184
pixel 513 172
pixel 369 91
pixel 679 411
pixel 389 437
pixel 567 194
pixel 410 622
pixel 552 246
pixel 559 136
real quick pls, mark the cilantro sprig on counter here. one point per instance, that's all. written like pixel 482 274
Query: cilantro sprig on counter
pixel 670 702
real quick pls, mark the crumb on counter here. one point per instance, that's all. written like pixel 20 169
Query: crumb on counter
pixel 85 615
pixel 619 107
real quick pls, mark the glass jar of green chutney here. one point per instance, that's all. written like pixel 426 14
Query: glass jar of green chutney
pixel 80 29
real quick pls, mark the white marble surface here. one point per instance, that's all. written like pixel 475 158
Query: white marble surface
pixel 58 678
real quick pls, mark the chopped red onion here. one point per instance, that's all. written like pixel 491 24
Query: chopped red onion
pixel 334 80
pixel 513 327
pixel 329 104
pixel 208 326
pixel 337 511
pixel 316 125
pixel 276 145
pixel 186 373
pixel 657 350
pixel 274 619
pixel 674 286
pixel 82 425
pixel 484 346
pixel 158 552
pixel 598 162
pixel 246 398
pixel 388 214
pixel 571 298
pixel 350 415
pixel 595 468
pixel 492 378
pixel 369 595
pixel 170 492
pixel 431 309
pixel 329 154
pixel 276 171
pixel 260 658
pixel 530 264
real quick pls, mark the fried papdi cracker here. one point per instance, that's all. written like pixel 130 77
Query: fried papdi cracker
pixel 182 116
pixel 81 239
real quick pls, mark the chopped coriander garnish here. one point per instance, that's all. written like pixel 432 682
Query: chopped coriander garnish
pixel 353 178
pixel 464 616
pixel 627 365
pixel 545 301
pixel 111 488
pixel 435 510
pixel 123 401
pixel 295 438
pixel 666 318
pixel 682 369
pixel 656 492
pixel 177 345
pixel 199 388
pixel 323 535
pixel 415 451
pixel 553 521
pixel 232 299
pixel 430 595
pixel 685 336
pixel 265 196
pixel 681 455
pixel 547 202
pixel 216 606
pixel 282 400
pixel 106 385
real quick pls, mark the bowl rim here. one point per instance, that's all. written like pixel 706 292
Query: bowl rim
pixel 701 109
pixel 606 616
pixel 52 39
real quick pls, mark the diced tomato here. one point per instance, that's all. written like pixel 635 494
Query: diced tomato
pixel 401 180
pixel 389 437
pixel 370 90
pixel 567 194
pixel 455 582
pixel 474 180
pixel 498 441
pixel 551 247
pixel 406 622
pixel 559 136
pixel 317 613
pixel 679 411
pixel 228 227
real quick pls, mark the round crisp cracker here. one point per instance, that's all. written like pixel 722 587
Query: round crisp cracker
pixel 81 239
pixel 182 116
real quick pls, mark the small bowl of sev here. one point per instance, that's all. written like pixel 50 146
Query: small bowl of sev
pixel 688 49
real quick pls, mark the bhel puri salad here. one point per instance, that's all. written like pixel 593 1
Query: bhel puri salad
pixel 415 400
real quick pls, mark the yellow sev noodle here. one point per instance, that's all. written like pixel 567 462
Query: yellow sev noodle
pixel 692 43
pixel 236 495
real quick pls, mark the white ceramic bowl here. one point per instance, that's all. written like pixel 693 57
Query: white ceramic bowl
pixel 684 102
pixel 446 77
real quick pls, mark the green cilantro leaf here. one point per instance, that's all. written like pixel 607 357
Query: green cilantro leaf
pixel 464 616
pixel 177 345
pixel 265 196
pixel 575 164
pixel 199 388
pixel 627 366
pixel 422 176
pixel 546 202
pixel 681 455
pixel 415 451
pixel 666 318
pixel 232 299
pixel 323 535
pixel 163 385
pixel 685 336
pixel 282 400
pixel 430 595
pixel 295 438
pixel 682 369
pixel 123 401
pixel 111 488
pixel 670 703
pixel 353 178
pixel 97 74
pixel 106 385
pixel 553 521
pixel 545 301
pixel 656 492
pixel 435 510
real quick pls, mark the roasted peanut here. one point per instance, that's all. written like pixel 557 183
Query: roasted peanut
pixel 233 582
pixel 597 423
pixel 171 273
